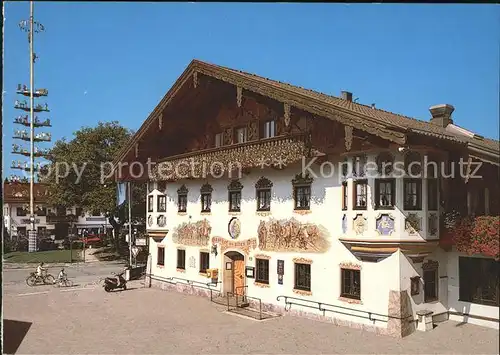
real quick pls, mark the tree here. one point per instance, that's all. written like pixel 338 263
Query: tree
pixel 74 174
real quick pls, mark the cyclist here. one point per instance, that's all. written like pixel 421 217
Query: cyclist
pixel 62 276
pixel 40 270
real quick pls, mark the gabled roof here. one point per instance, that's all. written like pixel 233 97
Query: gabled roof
pixel 357 115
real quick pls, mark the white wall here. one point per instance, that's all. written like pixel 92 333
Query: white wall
pixel 466 307
pixel 377 279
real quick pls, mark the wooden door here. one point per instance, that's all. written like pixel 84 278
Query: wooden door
pixel 239 276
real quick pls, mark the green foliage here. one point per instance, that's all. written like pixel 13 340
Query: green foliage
pixel 91 150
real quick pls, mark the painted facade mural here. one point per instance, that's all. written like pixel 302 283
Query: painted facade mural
pixel 359 224
pixel 413 223
pixel 385 224
pixel 194 234
pixel 289 235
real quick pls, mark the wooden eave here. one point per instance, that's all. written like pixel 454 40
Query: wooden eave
pixel 396 129
pixel 309 104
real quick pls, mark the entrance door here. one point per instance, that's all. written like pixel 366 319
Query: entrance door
pixel 239 276
pixel 234 273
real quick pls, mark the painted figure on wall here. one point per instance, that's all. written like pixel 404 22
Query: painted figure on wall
pixel 288 235
pixel 195 234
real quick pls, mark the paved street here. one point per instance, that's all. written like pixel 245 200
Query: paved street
pixel 86 319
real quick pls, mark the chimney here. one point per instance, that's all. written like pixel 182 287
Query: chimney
pixel 346 95
pixel 441 114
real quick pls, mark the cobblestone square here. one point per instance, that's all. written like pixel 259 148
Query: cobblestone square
pixel 151 321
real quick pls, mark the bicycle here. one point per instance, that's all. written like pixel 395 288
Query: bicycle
pixel 34 279
pixel 63 283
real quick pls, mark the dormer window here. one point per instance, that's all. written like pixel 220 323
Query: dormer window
pixel 412 194
pixel 302 191
pixel 270 129
pixel 263 190
pixel 234 190
pixel 182 194
pixel 360 194
pixel 162 203
pixel 218 140
pixel 359 166
pixel 385 193
pixel 206 198
pixel 150 204
pixel 241 135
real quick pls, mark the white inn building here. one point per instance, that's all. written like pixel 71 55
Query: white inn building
pixel 371 246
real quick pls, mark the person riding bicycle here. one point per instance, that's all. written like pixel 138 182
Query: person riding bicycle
pixel 40 270
pixel 62 275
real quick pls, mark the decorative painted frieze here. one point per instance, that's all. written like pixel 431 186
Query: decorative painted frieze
pixel 195 234
pixel 262 256
pixel 432 224
pixel 286 115
pixel 349 265
pixel 161 221
pixel 384 224
pixel 359 224
pixel 430 265
pixel 302 292
pixel 290 235
pixel 302 261
pixel 413 223
pixel 240 245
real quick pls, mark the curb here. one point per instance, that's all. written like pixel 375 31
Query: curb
pixel 12 266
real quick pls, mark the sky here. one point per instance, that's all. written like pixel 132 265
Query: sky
pixel 107 61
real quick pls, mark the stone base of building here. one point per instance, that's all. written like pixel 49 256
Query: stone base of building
pixel 394 328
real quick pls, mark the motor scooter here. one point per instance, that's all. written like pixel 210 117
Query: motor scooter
pixel 110 283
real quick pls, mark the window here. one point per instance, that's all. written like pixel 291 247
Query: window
pixel 20 212
pixel 181 259
pixel 432 194
pixel 43 211
pixel 385 193
pixel 241 135
pixel 270 129
pixel 204 262
pixel 262 266
pixel 360 194
pixel 430 284
pixel 344 195
pixel 302 191
pixel 302 277
pixel 413 164
pixel 161 256
pixel 263 189
pixel 182 193
pixel 218 140
pixel 235 188
pixel 412 194
pixel 150 203
pixel 479 280
pixel 351 284
pixel 359 166
pixel 162 203
pixel 206 198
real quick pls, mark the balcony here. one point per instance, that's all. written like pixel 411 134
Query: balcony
pixel 473 235
pixel 275 152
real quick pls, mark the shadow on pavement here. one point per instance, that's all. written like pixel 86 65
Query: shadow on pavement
pixel 13 334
